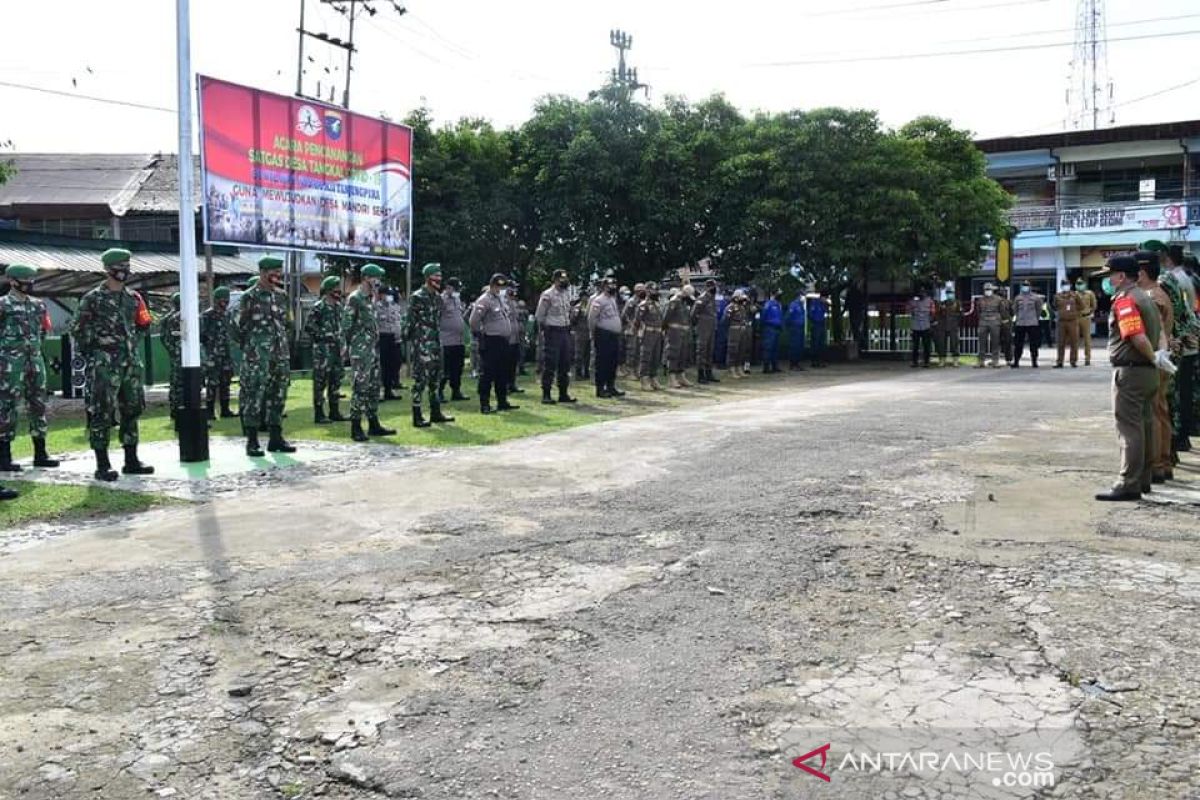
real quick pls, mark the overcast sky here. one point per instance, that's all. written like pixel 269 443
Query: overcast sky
pixel 494 58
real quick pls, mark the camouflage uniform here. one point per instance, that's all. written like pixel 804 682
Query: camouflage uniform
pixel 169 335
pixel 648 322
pixel 107 333
pixel 216 355
pixel 23 326
pixel 362 336
pixel 1185 340
pixel 678 332
pixel 262 328
pixel 422 331
pixel 324 330
pixel 632 356
pixel 582 336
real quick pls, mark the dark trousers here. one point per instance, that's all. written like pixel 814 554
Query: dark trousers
pixel 452 365
pixel 608 346
pixel 557 366
pixel 1032 334
pixel 389 361
pixel 771 346
pixel 497 365
pixel 1185 378
pixel 922 341
pixel 515 351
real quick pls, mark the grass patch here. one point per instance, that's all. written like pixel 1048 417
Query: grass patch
pixel 47 501
pixel 67 431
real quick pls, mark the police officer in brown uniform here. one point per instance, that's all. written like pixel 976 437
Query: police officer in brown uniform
pixel 704 319
pixel 1087 308
pixel 1066 309
pixel 1134 328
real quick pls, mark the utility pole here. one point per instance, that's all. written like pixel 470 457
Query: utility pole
pixel 351 9
pixel 624 76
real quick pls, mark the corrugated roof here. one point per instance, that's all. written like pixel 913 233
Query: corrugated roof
pixel 105 183
pixel 159 193
pixel 79 259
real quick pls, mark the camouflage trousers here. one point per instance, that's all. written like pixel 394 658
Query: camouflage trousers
pixel 22 378
pixel 676 349
pixel 706 340
pixel 650 351
pixel 1183 419
pixel 364 371
pixel 327 371
pixel 113 390
pixel 583 351
pixel 263 395
pixel 218 374
pixel 175 386
pixel 426 374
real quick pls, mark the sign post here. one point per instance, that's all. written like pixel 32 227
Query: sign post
pixel 192 418
pixel 1004 258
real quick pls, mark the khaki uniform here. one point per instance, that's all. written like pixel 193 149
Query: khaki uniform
pixel 704 318
pixel 739 316
pixel 1087 308
pixel 1135 382
pixel 1066 308
pixel 632 356
pixel 679 335
pixel 1006 328
pixel 991 309
pixel 648 324
pixel 949 319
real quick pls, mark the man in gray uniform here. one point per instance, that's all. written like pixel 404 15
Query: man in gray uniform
pixel 554 321
pixel 453 341
pixel 991 309
pixel 1028 308
pixel 492 328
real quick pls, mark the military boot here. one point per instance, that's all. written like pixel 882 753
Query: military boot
pixel 563 396
pixel 335 414
pixel 7 494
pixel 375 429
pixel 418 418
pixel 701 375
pixel 226 411
pixel 253 448
pixel 547 400
pixel 133 465
pixel 104 470
pixel 40 457
pixel 319 417
pixel 356 431
pixel 712 378
pixel 211 405
pixel 436 415
pixel 278 444
pixel 6 462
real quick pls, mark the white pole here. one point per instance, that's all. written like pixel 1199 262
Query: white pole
pixel 191 419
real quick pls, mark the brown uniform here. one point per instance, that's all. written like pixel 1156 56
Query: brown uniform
pixel 679 335
pixel 738 350
pixel 704 317
pixel 1066 307
pixel 1087 308
pixel 1135 381
pixel 1160 450
pixel 648 323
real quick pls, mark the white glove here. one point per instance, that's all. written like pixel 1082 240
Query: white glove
pixel 1162 360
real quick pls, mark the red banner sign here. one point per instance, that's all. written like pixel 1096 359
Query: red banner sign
pixel 290 173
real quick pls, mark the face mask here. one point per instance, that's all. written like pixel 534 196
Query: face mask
pixel 23 288
pixel 654 295
pixel 610 290
pixel 1081 286
pixel 624 295
pixel 1107 287
pixel 275 279
pixel 949 295
pixel 988 292
pixel 337 296
pixel 454 293
pixel 1024 290
pixel 119 275
pixel 642 295
pixel 562 283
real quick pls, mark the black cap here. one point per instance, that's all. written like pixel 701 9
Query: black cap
pixel 453 283
pixel 1128 265
pixel 558 273
pixel 499 279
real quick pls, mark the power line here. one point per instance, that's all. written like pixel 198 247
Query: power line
pixel 941 7
pixel 1122 104
pixel 971 52
pixel 92 98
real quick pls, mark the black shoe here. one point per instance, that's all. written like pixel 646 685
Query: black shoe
pixel 356 431
pixel 604 394
pixel 419 421
pixel 563 397
pixel 6 462
pixel 485 410
pixel 436 415
pixel 40 457
pixel 335 414
pixel 547 400
pixel 211 407
pixel 7 494
pixel 253 448
pixel 133 465
pixel 278 444
pixel 458 396
pixel 319 417
pixel 1060 366
pixel 506 407
pixel 615 392
pixel 1115 496
pixel 701 378
pixel 104 470
pixel 712 378
pixel 1159 479
pixel 228 413
pixel 1183 445
pixel 390 395
pixel 375 429
pixel 515 390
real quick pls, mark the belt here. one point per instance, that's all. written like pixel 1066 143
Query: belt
pixel 679 326
pixel 737 327
pixel 1130 364
pixel 556 327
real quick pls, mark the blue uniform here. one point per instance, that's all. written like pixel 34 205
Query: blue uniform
pixel 722 339
pixel 771 318
pixel 816 325
pixel 795 320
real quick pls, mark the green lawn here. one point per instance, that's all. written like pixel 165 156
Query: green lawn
pixel 45 501
pixel 470 428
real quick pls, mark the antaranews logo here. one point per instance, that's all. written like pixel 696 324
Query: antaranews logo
pixel 1005 769
pixel 823 752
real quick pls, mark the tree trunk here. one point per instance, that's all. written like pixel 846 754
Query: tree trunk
pixel 835 300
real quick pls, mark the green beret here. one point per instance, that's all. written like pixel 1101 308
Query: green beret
pixel 221 293
pixel 114 255
pixel 268 263
pixel 371 271
pixel 20 272
pixel 175 300
pixel 1154 246
pixel 432 269
pixel 330 283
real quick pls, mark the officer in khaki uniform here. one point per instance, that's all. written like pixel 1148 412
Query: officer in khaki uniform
pixel 991 308
pixel 1087 309
pixel 1134 328
pixel 1066 310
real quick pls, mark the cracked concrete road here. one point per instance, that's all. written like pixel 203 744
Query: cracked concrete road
pixel 892 563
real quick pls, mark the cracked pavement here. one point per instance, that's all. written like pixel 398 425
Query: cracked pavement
pixel 668 606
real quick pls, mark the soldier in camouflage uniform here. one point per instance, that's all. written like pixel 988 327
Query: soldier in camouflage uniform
pixel 262 328
pixel 362 336
pixel 169 335
pixel 24 323
pixel 648 324
pixel 632 365
pixel 217 357
pixel 324 329
pixel 422 330
pixel 107 330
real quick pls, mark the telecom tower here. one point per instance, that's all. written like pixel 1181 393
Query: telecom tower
pixel 624 76
pixel 1090 90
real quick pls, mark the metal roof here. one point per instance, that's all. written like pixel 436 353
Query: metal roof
pixel 159 193
pixel 96 183
pixel 1128 133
